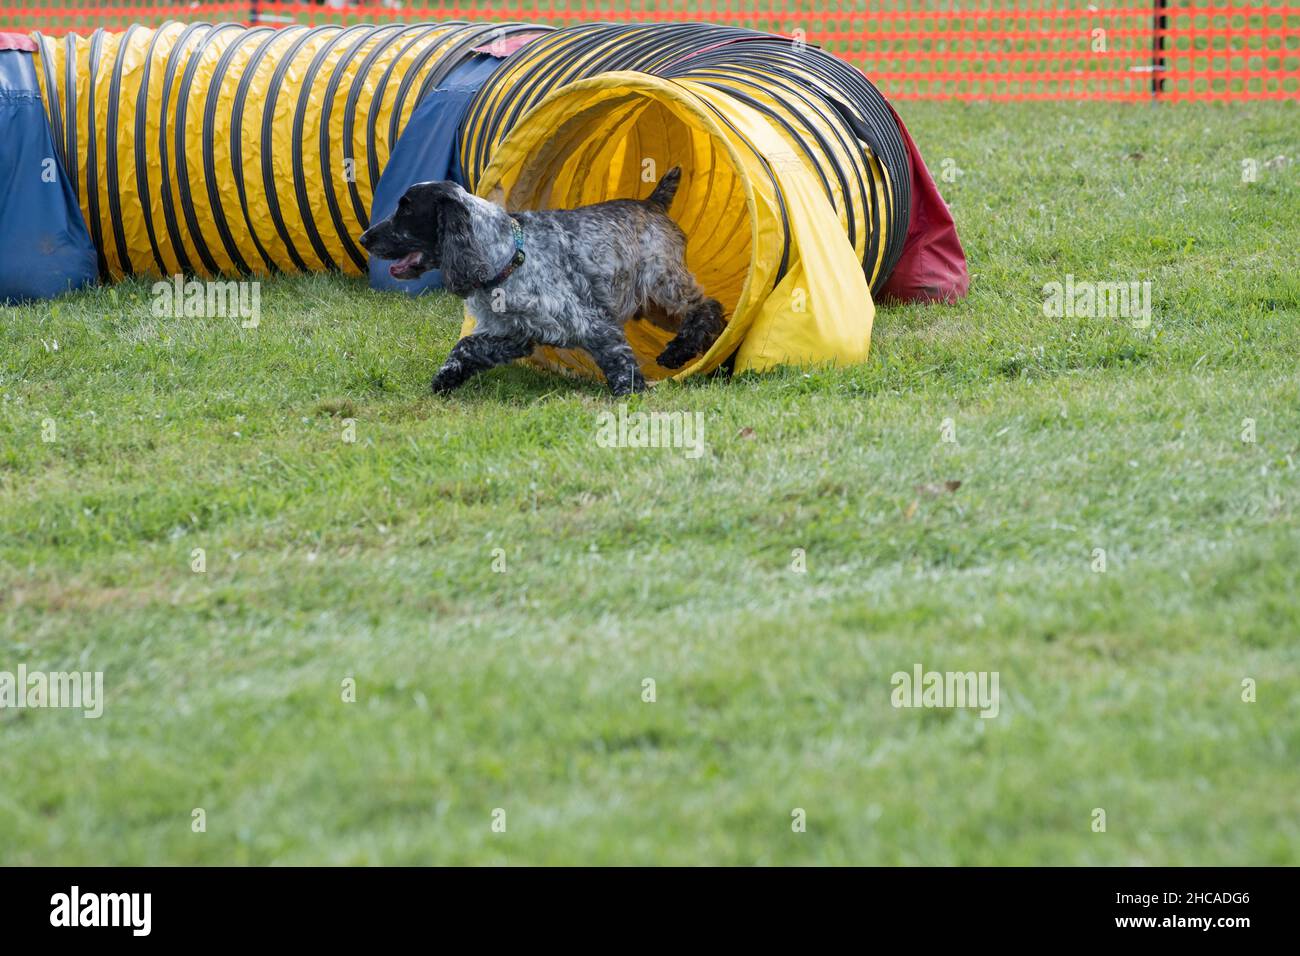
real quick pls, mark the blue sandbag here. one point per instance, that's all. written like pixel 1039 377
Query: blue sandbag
pixel 427 150
pixel 45 249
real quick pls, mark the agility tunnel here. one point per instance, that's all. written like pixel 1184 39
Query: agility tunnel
pixel 224 150
pixel 786 152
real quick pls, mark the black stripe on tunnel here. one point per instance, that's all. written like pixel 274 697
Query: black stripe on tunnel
pixel 237 138
pixel 299 166
pixel 70 109
pixel 169 209
pixel 210 151
pixel 110 170
pixel 327 167
pixel 182 161
pixel 52 99
pixel 268 125
pixel 141 152
pixel 92 157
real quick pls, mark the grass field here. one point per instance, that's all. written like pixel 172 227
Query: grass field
pixel 522 691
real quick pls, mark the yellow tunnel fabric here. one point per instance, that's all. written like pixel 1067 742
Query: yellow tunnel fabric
pixel 830 116
pixel 221 150
pixel 746 203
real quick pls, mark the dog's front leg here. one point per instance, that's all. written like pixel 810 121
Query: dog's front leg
pixel 477 353
pixel 616 360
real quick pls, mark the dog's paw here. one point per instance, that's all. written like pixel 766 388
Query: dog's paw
pixel 442 384
pixel 624 386
pixel 675 355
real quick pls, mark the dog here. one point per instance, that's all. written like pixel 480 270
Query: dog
pixel 567 278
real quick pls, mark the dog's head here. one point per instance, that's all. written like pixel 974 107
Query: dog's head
pixel 441 226
pixel 414 235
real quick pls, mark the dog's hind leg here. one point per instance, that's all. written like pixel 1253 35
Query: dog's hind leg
pixel 478 353
pixel 670 285
pixel 616 359
pixel 700 329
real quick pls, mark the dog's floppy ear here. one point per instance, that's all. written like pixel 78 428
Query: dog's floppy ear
pixel 463 260
pixel 421 214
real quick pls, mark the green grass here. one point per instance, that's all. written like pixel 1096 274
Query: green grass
pixel 522 690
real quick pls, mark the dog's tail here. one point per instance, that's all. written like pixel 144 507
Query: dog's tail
pixel 667 189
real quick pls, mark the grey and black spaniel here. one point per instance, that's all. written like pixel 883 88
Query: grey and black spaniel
pixel 568 278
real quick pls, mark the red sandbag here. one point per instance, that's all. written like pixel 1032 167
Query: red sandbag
pixel 933 265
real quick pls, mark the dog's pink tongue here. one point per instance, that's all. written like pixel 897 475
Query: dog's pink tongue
pixel 401 265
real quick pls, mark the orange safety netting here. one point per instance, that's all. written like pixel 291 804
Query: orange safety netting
pixel 912 49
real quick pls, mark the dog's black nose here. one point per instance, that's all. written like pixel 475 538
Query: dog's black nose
pixel 365 239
